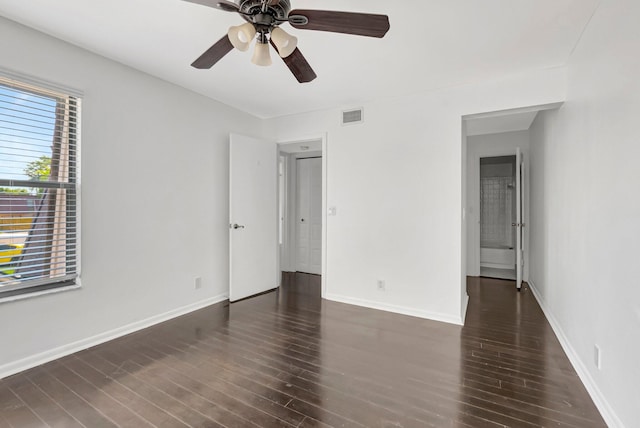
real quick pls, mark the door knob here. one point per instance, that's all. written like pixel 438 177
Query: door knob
pixel 237 226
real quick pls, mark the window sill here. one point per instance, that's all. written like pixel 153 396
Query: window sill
pixel 39 293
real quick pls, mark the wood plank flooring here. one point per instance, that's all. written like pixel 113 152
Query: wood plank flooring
pixel 289 359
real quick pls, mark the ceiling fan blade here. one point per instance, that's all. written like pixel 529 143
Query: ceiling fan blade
pixel 214 53
pixel 298 65
pixel 227 6
pixel 361 24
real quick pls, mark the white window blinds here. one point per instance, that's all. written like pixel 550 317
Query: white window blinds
pixel 38 188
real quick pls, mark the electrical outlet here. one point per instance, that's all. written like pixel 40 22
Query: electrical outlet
pixel 597 358
pixel 198 282
pixel 381 285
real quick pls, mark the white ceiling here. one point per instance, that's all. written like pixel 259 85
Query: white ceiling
pixel 431 44
pixel 301 147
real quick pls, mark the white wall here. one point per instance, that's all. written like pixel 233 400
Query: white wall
pixel 154 200
pixel 489 145
pixel 586 218
pixel 396 183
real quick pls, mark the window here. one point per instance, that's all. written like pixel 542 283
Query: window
pixel 38 188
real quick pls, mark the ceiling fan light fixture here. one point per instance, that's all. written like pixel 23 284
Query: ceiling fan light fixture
pixel 263 19
pixel 241 36
pixel 261 55
pixel 285 42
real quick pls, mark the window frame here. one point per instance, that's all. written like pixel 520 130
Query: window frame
pixel 72 198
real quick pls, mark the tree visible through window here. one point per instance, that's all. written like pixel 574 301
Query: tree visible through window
pixel 38 188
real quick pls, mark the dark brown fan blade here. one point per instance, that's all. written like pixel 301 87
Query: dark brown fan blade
pixel 214 53
pixel 227 6
pixel 361 24
pixel 298 65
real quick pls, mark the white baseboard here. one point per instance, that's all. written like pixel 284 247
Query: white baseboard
pixel 607 412
pixel 465 305
pixel 62 351
pixel 434 316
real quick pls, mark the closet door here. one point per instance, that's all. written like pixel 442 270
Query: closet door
pixel 309 215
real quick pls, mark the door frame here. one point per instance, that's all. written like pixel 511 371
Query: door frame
pixel 293 248
pixel 473 264
pixel 286 252
pixel 287 249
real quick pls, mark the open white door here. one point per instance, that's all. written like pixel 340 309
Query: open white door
pixel 519 215
pixel 253 216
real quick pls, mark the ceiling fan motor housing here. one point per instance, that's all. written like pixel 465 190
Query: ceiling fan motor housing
pixel 279 10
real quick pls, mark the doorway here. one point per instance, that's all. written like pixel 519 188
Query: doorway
pixel 498 217
pixel 262 212
pixel 301 204
pixel 492 161
pixel 496 134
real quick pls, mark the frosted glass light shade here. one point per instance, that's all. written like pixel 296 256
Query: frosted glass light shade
pixel 285 42
pixel 241 36
pixel 261 54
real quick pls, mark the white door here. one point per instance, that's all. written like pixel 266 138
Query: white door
pixel 309 215
pixel 253 217
pixel 519 215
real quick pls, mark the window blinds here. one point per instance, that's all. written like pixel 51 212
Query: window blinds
pixel 38 188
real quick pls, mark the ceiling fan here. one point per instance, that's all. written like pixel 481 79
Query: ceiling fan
pixel 264 18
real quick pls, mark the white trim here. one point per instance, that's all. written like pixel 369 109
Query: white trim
pixel 29 295
pixel 325 207
pixel 325 173
pixel 290 214
pixel 519 110
pixel 78 206
pixel 434 316
pixel 62 351
pixel 476 263
pixel 607 412
pixel 465 305
pixel 41 83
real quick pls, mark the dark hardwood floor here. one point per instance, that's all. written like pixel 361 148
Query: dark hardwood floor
pixel 289 359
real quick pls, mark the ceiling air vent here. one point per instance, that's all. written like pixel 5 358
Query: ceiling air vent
pixel 351 117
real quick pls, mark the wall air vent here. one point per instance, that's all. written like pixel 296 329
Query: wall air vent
pixel 351 117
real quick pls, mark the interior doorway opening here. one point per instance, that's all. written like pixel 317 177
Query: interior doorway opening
pixel 302 223
pixel 498 208
pixel 487 138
